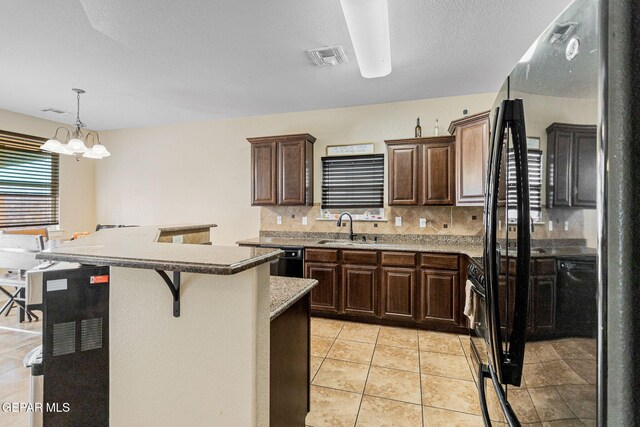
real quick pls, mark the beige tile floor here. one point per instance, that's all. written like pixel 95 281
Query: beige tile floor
pixel 369 375
pixel 14 378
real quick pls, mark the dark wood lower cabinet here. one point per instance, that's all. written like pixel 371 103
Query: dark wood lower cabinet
pixel 543 296
pixel 360 287
pixel 439 297
pixel 541 311
pixel 289 367
pixel 385 287
pixel 326 296
pixel 397 293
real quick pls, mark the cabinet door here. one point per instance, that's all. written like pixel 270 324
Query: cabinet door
pixel 398 293
pixel 472 146
pixel 360 288
pixel 544 306
pixel 561 172
pixel 325 296
pixel 439 297
pixel 437 175
pixel 584 169
pixel 403 174
pixel 291 173
pixel 263 174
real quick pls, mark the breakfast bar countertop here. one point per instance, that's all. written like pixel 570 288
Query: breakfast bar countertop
pixel 285 291
pixel 138 247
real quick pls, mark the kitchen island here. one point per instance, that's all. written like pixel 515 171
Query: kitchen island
pixel 197 354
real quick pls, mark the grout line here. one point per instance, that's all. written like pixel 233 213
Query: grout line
pixel 420 379
pixel 367 379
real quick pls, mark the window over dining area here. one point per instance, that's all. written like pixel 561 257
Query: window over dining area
pixel 29 182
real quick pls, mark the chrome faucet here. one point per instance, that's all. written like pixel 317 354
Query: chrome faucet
pixel 351 235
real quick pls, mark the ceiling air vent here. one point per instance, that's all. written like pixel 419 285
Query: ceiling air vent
pixel 53 110
pixel 332 55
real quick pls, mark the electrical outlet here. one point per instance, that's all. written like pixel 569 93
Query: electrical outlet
pixel 398 221
pixel 499 224
pixel 423 222
pixel 304 220
pixel 550 225
pixel 177 239
pixel 566 226
pixel 279 220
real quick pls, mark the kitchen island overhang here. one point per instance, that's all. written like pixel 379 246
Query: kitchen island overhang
pixel 210 364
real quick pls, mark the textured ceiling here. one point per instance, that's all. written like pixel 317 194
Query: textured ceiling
pixel 148 62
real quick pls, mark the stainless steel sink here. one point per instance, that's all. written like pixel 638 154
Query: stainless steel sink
pixel 538 251
pixel 342 242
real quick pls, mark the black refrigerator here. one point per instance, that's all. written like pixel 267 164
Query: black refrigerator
pixel 535 335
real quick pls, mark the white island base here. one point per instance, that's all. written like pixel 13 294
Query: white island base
pixel 208 367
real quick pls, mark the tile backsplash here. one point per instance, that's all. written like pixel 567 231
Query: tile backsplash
pixel 440 220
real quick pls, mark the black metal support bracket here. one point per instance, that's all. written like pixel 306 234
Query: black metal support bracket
pixel 174 288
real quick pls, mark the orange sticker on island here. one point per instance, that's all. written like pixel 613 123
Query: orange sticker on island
pixel 99 279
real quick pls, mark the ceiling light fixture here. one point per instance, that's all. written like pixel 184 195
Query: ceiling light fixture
pixel 75 141
pixel 368 24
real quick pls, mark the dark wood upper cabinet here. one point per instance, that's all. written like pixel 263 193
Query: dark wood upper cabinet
pixel 403 174
pixel 282 170
pixel 263 173
pixel 438 174
pixel 571 165
pixel 421 171
pixel 472 153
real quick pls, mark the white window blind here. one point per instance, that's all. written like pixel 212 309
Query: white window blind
pixel 534 158
pixel 29 181
pixel 353 181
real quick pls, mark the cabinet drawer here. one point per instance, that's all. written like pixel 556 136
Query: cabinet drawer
pixel 442 261
pixel 543 267
pixel 321 255
pixel 401 259
pixel 359 257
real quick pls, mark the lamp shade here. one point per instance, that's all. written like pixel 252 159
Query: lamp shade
pixel 76 145
pixel 90 155
pixel 368 24
pixel 100 150
pixel 54 146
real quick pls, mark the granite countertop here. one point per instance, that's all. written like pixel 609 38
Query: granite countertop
pixel 470 249
pixel 137 247
pixel 465 245
pixel 285 291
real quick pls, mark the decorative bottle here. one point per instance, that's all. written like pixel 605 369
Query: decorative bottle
pixel 436 129
pixel 418 129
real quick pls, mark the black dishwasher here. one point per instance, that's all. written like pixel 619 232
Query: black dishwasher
pixel 576 303
pixel 290 263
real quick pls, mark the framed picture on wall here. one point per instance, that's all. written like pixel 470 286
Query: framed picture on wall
pixel 349 150
pixel 533 143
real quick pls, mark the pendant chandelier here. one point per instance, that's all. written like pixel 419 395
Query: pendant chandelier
pixel 74 143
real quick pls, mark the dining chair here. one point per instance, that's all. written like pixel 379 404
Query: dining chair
pixel 41 231
pixel 17 255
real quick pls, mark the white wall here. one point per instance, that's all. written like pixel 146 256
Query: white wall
pixel 77 179
pixel 200 172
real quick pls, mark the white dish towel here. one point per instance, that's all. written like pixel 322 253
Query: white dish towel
pixel 468 302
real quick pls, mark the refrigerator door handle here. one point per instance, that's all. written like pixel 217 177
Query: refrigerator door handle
pixel 512 372
pixel 506 361
pixel 491 260
pixel 482 374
